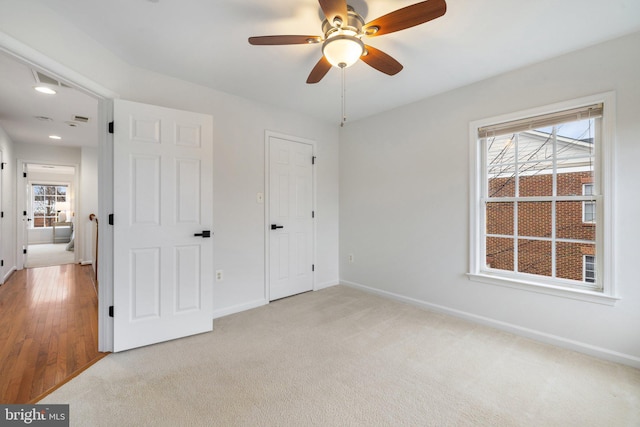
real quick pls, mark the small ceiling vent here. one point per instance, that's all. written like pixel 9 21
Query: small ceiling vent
pixel 80 119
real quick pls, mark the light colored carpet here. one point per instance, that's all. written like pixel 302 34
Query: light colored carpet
pixel 341 357
pixel 48 254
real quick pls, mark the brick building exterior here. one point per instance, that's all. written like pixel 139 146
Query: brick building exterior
pixel 535 220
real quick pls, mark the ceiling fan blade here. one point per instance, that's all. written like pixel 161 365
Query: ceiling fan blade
pixel 381 61
pixel 280 40
pixel 334 8
pixel 406 17
pixel 319 71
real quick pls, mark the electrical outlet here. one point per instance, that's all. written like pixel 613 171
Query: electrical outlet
pixel 350 258
pixel 219 275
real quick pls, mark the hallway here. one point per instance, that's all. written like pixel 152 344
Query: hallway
pixel 48 329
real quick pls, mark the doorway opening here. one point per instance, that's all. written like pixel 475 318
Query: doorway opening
pixel 50 202
pixel 88 176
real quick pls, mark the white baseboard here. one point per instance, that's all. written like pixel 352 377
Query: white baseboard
pixel 89 262
pixel 326 285
pixel 238 308
pixel 259 303
pixel 9 273
pixel 580 347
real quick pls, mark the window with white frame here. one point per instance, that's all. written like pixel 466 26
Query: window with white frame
pixel 46 201
pixel 541 199
pixel 588 207
pixel 589 271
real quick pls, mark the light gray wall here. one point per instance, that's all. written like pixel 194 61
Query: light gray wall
pixel 239 174
pixel 404 201
pixel 88 204
pixel 47 154
pixel 239 155
pixel 7 205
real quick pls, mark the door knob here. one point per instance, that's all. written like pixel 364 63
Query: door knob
pixel 273 226
pixel 204 234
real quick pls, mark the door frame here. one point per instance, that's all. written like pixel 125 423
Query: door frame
pixel 2 268
pixel 35 59
pixel 22 204
pixel 267 219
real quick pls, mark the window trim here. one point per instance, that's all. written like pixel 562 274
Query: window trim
pixel 604 173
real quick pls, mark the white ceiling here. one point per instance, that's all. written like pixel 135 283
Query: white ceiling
pixel 205 42
pixel 23 110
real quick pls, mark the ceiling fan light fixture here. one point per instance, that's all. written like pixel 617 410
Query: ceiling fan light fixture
pixel 370 31
pixel 342 50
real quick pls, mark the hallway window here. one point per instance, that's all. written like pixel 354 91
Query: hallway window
pixel 46 200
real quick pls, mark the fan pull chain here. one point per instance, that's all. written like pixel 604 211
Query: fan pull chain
pixel 344 98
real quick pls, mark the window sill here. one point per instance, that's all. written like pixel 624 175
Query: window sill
pixel 577 294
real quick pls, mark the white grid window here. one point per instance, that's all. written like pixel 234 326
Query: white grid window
pixel 589 270
pixel 541 199
pixel 45 197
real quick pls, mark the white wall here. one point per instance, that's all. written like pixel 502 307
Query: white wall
pixel 239 173
pixel 88 198
pixel 239 158
pixel 404 201
pixel 7 205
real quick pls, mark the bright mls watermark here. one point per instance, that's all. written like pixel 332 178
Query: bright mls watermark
pixel 34 415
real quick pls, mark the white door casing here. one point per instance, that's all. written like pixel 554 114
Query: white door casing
pixel 2 268
pixel 290 206
pixel 23 198
pixel 163 273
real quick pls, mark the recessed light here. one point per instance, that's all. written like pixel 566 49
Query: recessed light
pixel 55 137
pixel 45 89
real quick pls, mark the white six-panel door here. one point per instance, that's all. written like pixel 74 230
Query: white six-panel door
pixel 163 273
pixel 290 209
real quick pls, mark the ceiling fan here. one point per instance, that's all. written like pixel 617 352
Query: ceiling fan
pixel 344 30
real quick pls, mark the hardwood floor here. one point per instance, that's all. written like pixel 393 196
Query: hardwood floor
pixel 48 329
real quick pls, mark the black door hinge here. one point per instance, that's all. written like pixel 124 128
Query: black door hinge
pixel 313 214
pixel 24 251
pixel 24 213
pixel 1 214
pixel 24 174
pixel 313 160
pixel 2 165
pixel 313 267
pixel 1 263
pixel 110 219
pixel 110 311
pixel 110 127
